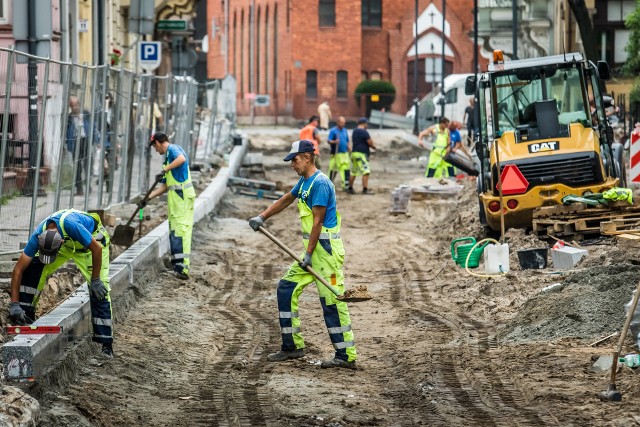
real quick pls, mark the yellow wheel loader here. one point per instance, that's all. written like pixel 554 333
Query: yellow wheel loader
pixel 547 117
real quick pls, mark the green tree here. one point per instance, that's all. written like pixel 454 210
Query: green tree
pixel 385 90
pixel 632 66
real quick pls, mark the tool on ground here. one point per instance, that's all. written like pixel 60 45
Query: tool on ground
pixel 32 330
pixel 345 298
pixel 459 253
pixel 611 393
pixel 123 234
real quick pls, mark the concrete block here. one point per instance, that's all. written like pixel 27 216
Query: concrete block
pixel 567 257
pixel 252 159
pixel 602 364
pixel 110 220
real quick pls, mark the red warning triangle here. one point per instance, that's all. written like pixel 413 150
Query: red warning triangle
pixel 513 181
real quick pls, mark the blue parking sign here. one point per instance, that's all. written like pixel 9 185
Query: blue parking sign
pixel 149 55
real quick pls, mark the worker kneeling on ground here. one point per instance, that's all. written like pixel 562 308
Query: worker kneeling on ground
pixel 324 251
pixel 66 234
pixel 176 179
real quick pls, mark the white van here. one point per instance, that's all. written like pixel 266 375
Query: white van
pixel 455 100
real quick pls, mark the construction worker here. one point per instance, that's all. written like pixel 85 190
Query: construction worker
pixel 360 152
pixel 340 149
pixel 437 167
pixel 66 234
pixel 323 250
pixel 176 179
pixel 311 133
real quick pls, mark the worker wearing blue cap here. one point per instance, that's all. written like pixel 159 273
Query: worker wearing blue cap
pixel 323 250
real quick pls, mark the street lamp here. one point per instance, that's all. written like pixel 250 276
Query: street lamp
pixel 416 129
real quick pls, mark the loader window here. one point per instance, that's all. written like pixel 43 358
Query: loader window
pixel 515 98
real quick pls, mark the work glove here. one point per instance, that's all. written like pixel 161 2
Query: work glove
pixel 17 314
pixel 306 261
pixel 160 176
pixel 256 222
pixel 142 204
pixel 98 288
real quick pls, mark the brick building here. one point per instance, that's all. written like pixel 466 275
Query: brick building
pixel 304 52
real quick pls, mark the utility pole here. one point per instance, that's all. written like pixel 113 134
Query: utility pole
pixel 416 129
pixel 444 23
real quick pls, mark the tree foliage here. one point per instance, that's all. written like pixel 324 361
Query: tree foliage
pixel 385 89
pixel 632 66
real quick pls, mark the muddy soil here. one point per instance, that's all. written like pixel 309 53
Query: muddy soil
pixel 436 346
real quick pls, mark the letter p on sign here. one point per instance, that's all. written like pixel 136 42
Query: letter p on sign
pixel 149 55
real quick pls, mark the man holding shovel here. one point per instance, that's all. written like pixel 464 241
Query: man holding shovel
pixel 324 252
pixel 180 201
pixel 66 234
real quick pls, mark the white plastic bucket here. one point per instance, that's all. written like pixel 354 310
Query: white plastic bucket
pixel 496 258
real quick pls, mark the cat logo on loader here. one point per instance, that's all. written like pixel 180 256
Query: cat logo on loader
pixel 544 146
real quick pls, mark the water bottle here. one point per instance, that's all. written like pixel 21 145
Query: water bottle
pixel 631 360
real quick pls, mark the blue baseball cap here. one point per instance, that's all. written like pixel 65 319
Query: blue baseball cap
pixel 302 146
pixel 362 120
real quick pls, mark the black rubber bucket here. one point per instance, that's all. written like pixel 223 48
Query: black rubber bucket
pixel 533 259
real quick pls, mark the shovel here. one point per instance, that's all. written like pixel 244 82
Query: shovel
pixel 123 234
pixel 360 296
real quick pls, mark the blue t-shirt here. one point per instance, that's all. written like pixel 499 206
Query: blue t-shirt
pixel 78 226
pixel 455 137
pixel 181 172
pixel 343 136
pixel 322 194
pixel 360 137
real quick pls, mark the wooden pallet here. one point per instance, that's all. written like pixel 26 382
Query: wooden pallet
pixel 579 220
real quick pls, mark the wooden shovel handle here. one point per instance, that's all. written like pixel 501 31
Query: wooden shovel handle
pixel 282 246
pixel 623 335
pixel 145 198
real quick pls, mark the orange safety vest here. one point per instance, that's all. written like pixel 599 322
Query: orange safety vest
pixel 307 133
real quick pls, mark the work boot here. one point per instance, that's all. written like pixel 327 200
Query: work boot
pixel 107 350
pixel 338 363
pixel 368 192
pixel 282 355
pixel 350 190
pixel 180 275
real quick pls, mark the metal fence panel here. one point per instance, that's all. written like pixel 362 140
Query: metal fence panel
pixel 89 136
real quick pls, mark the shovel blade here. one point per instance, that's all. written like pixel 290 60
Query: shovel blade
pixel 354 299
pixel 123 235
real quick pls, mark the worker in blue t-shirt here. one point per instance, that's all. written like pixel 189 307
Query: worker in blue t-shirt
pixel 176 179
pixel 340 149
pixel 362 143
pixel 324 252
pixel 66 234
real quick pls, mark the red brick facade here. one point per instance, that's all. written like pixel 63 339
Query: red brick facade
pixel 289 43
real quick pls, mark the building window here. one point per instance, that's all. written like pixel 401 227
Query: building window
pixel 364 76
pixel 618 10
pixel 312 84
pixel 342 87
pixel 433 70
pixel 376 75
pixel 327 13
pixel 4 18
pixel 620 42
pixel 372 13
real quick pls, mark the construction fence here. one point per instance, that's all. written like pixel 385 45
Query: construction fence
pixel 76 136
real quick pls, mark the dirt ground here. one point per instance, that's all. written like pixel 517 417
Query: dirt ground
pixel 436 346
